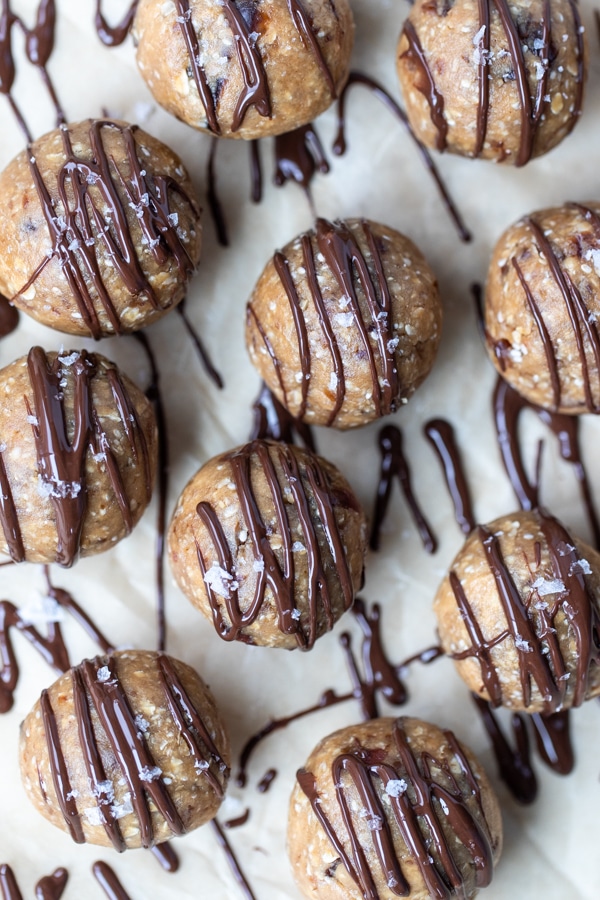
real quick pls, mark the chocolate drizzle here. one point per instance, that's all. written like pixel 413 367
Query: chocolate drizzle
pixel 90 211
pixel 166 857
pixel 51 647
pixel 533 634
pixel 199 345
pixel 299 154
pixel 51 887
pixel 531 107
pixel 379 675
pixel 441 437
pixel 39 44
pixel 62 458
pixel 350 267
pixel 105 695
pixel 308 484
pixel 272 421
pixel 395 464
pixel 431 799
pixel 255 92
pixel 508 407
pixel 109 882
pixel 266 781
pixel 232 860
pixel 9 317
pixel 113 35
pixel 339 147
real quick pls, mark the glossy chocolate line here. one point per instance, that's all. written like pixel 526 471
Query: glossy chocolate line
pixel 166 856
pixel 212 196
pixel 340 146
pixel 59 771
pixel 483 50
pixel 52 887
pixel 521 81
pixel 9 317
pixel 544 336
pixel 282 267
pixel 442 876
pixel 83 223
pixel 190 726
pixel 154 395
pixel 299 154
pixel 514 765
pixel 272 421
pixel 280 579
pixel 395 465
pixel 238 821
pixel 184 19
pixel 427 87
pixel 441 436
pixel 9 518
pixel 250 314
pixel 114 35
pixel 306 30
pixel 380 675
pixel 266 781
pixel 198 344
pixel 256 85
pixel 553 740
pixel 234 865
pixel 109 882
pixel 508 407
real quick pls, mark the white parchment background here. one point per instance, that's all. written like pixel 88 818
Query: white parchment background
pixel 551 847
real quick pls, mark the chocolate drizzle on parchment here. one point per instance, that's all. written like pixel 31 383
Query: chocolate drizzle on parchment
pixel 440 435
pixel 530 624
pixel 109 882
pixel 310 491
pixel 114 35
pixel 39 43
pixel 90 211
pixel 272 421
pixel 96 686
pixel 508 406
pixel 531 101
pixel 9 317
pixel 62 457
pixel 432 794
pixel 50 887
pixel 394 464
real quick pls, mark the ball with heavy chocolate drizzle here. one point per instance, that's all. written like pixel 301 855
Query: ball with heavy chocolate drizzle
pixel 344 323
pixel 542 307
pixel 393 808
pixel 269 541
pixel 244 68
pixel 126 751
pixel 99 227
pixel 78 450
pixel 493 79
pixel 519 612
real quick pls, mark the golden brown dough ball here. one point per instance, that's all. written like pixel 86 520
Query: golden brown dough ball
pixel 491 79
pixel 389 808
pixel 269 542
pixel 542 308
pixel 344 323
pixel 78 450
pixel 99 228
pixel 519 613
pixel 126 750
pixel 246 69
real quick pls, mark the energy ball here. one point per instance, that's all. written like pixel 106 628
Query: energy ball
pixel 493 80
pixel 78 451
pixel 247 69
pixel 344 323
pixel 519 613
pixel 269 542
pixel 389 808
pixel 542 305
pixel 126 750
pixel 99 228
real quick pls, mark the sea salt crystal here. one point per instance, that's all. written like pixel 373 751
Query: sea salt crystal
pixel 173 219
pixel 142 724
pixel 545 586
pixel 70 359
pixel 149 774
pixel 396 787
pixel 580 567
pixel 258 565
pixel 521 644
pixel 296 614
pixel 103 674
pixel 344 319
pixel 220 581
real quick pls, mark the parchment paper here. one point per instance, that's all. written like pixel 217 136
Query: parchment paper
pixel 550 847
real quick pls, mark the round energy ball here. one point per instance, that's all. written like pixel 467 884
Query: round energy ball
pixel 269 542
pixel 78 451
pixel 542 305
pixel 244 69
pixel 99 228
pixel 519 613
pixel 126 750
pixel 344 323
pixel 393 807
pixel 493 80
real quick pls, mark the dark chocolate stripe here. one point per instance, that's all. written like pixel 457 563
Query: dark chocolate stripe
pixel 9 518
pixel 427 85
pixel 59 771
pixel 306 30
pixel 108 881
pixel 441 436
pixel 113 35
